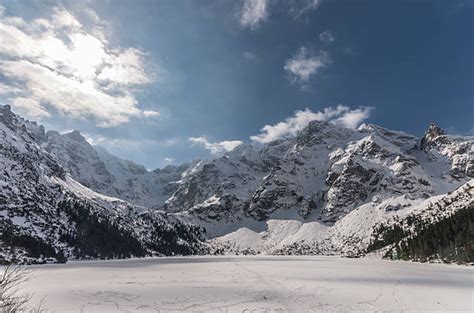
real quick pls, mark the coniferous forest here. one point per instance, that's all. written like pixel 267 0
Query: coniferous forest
pixel 451 239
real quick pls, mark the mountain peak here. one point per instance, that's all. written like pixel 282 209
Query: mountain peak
pixel 6 113
pixel 75 135
pixel 433 132
pixel 242 150
pixel 5 107
pixel 317 125
pixel 14 121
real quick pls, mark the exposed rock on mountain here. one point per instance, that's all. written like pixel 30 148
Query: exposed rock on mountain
pixel 459 151
pixel 437 228
pixel 107 174
pixel 431 134
pixel 45 215
pixel 325 172
pixel 223 185
pixel 440 229
pixel 327 190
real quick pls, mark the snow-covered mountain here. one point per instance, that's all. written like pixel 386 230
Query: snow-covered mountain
pixel 46 215
pixel 437 228
pixel 107 174
pixel 324 173
pixel 329 189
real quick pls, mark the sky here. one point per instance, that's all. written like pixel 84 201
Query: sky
pixel 164 82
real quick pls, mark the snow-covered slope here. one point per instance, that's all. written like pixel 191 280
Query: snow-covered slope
pixel 46 215
pixel 384 226
pixel 110 175
pixel 221 188
pixel 326 190
pixel 323 174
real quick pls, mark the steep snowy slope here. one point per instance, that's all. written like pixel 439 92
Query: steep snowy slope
pixel 440 229
pixel 299 182
pixel 326 190
pixel 445 222
pixel 333 185
pixel 324 173
pixel 105 173
pixel 47 215
pixel 219 188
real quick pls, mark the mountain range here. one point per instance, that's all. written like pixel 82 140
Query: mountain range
pixel 327 190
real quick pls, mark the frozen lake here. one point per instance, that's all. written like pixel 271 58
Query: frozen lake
pixel 252 284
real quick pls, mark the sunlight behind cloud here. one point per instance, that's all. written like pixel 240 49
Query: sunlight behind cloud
pixel 56 65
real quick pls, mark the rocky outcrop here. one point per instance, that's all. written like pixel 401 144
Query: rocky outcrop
pixel 47 216
pixel 325 172
pixel 459 150
pixel 433 132
pixel 107 174
pixel 328 187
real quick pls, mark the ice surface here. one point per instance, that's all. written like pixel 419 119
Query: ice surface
pixel 252 284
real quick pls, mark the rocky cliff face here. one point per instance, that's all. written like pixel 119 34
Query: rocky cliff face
pixel 46 216
pixel 323 191
pixel 107 174
pixel 324 173
pixel 457 149
pixel 220 188
pixel 79 158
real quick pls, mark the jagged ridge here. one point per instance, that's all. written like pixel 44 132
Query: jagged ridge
pixel 325 190
pixel 46 216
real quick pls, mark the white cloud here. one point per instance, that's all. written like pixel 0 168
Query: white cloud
pixel 93 140
pixel 2 10
pixel 250 56
pixel 303 7
pixel 150 113
pixel 131 144
pixel 326 36
pixel 216 147
pixel 68 96
pixel 61 65
pixel 125 68
pixel 63 18
pixel 340 114
pixel 31 106
pixel 303 65
pixel 169 160
pixel 8 89
pixel 353 118
pixel 253 13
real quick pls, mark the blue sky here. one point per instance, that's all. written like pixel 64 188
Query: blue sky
pixel 163 82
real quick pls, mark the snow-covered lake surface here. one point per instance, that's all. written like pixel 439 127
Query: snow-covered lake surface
pixel 252 284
